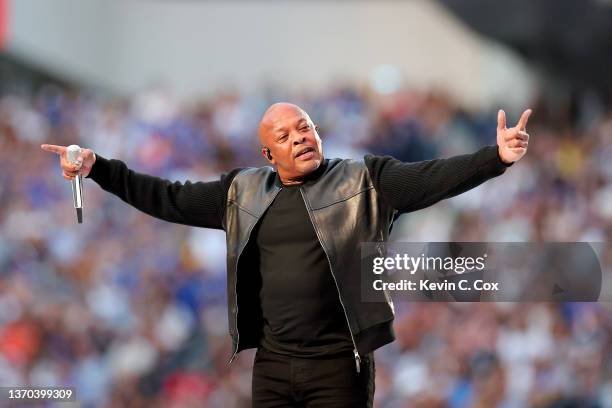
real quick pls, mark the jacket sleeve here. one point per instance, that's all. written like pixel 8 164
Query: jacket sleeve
pixel 412 186
pixel 200 204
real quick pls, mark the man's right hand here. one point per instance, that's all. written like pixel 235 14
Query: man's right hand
pixel 85 161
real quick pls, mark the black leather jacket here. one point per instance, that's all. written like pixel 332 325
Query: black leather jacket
pixel 345 211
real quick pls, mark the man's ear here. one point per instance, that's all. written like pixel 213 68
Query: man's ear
pixel 266 153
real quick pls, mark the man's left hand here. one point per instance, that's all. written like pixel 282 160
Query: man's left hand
pixel 512 142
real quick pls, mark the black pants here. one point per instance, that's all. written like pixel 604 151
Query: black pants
pixel 283 381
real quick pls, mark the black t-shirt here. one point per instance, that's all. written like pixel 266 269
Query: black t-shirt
pixel 301 308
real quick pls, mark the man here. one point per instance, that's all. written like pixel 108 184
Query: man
pixel 293 240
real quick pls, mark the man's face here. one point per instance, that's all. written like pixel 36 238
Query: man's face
pixel 295 145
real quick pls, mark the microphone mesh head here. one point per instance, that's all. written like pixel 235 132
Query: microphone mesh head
pixel 72 153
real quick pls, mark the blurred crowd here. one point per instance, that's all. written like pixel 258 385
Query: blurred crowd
pixel 131 311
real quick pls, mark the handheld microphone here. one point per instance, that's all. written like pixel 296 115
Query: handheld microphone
pixel 72 154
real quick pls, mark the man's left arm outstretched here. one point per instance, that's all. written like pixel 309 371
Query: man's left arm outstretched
pixel 411 186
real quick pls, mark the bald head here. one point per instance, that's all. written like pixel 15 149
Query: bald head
pixel 290 141
pixel 273 115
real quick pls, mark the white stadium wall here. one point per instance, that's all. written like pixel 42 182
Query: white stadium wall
pixel 199 47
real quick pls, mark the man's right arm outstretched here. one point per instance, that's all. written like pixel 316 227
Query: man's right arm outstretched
pixel 199 204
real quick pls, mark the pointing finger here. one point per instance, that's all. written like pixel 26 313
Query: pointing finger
pixel 522 123
pixel 501 119
pixel 53 148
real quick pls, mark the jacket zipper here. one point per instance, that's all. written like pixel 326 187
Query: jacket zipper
pixel 235 352
pixel 355 351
